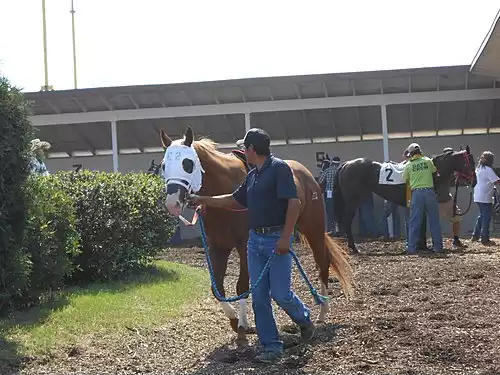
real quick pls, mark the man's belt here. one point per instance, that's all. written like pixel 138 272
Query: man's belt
pixel 268 230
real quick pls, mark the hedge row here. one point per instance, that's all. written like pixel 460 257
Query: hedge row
pixel 120 223
pixel 15 134
pixel 68 227
pixel 88 226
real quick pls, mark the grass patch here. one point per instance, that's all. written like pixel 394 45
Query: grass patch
pixel 78 314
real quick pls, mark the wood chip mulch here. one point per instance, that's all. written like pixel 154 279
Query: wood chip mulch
pixel 410 315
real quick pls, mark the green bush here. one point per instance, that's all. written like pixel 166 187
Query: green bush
pixel 68 226
pixel 121 225
pixel 15 133
pixel 50 236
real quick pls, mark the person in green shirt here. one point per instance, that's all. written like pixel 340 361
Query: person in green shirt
pixel 418 173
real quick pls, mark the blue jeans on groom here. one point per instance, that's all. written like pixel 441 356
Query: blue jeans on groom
pixel 275 284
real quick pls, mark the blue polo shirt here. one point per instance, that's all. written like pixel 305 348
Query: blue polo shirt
pixel 266 192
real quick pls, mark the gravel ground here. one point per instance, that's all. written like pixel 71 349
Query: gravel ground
pixel 411 315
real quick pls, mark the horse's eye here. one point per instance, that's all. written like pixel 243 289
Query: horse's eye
pixel 188 165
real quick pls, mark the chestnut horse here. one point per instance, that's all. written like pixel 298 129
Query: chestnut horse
pixel 197 166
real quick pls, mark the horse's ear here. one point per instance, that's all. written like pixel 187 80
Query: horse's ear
pixel 165 139
pixel 467 149
pixel 188 137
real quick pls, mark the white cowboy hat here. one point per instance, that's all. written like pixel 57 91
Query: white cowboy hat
pixel 36 144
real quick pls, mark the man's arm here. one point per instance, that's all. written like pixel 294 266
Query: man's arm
pixel 292 215
pixel 219 201
pixel 432 165
pixel 406 174
pixel 286 189
pixel 235 200
pixel 322 177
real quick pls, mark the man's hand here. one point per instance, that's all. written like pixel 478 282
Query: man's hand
pixel 194 200
pixel 283 246
pixel 221 201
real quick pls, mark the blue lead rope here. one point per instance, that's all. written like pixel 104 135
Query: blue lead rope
pixel 318 298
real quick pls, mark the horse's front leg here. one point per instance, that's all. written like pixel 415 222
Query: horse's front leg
pixel 219 258
pixel 242 286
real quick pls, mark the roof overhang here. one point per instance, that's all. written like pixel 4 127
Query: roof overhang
pixel 487 59
pixel 342 107
pixel 267 106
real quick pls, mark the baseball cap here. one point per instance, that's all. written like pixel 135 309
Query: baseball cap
pixel 336 160
pixel 413 147
pixel 255 137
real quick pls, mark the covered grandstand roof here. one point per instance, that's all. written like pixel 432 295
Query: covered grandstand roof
pixel 487 60
pixel 214 108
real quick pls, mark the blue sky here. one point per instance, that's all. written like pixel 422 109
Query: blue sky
pixel 162 41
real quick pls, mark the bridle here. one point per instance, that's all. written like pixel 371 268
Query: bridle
pixel 469 176
pixel 469 179
pixel 179 181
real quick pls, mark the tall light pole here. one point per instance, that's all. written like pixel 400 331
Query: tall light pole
pixel 74 42
pixel 45 87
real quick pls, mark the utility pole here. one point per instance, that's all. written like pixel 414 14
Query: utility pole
pixel 74 42
pixel 45 87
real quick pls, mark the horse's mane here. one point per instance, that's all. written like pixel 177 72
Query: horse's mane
pixel 209 147
pixel 446 155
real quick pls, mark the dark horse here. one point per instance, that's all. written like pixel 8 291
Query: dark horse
pixel 197 166
pixel 357 178
pixel 154 168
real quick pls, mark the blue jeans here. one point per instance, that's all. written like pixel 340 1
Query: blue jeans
pixel 482 227
pixel 330 223
pixel 275 284
pixel 390 208
pixel 424 200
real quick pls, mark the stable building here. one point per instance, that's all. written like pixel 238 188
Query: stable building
pixel 364 114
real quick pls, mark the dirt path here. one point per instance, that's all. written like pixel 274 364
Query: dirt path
pixel 411 315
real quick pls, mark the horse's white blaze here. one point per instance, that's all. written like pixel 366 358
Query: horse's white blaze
pixel 229 310
pixel 323 312
pixel 242 314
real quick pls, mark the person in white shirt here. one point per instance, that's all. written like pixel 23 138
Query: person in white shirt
pixel 483 196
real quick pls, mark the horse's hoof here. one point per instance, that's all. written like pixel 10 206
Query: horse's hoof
pixel 234 325
pixel 242 340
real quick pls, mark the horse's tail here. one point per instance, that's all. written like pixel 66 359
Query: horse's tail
pixel 339 263
pixel 338 197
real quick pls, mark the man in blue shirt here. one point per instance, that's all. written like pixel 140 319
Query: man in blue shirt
pixel 270 194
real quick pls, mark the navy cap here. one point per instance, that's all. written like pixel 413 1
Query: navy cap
pixel 255 137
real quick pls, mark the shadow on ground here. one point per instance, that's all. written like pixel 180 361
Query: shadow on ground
pixel 11 358
pixel 233 359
